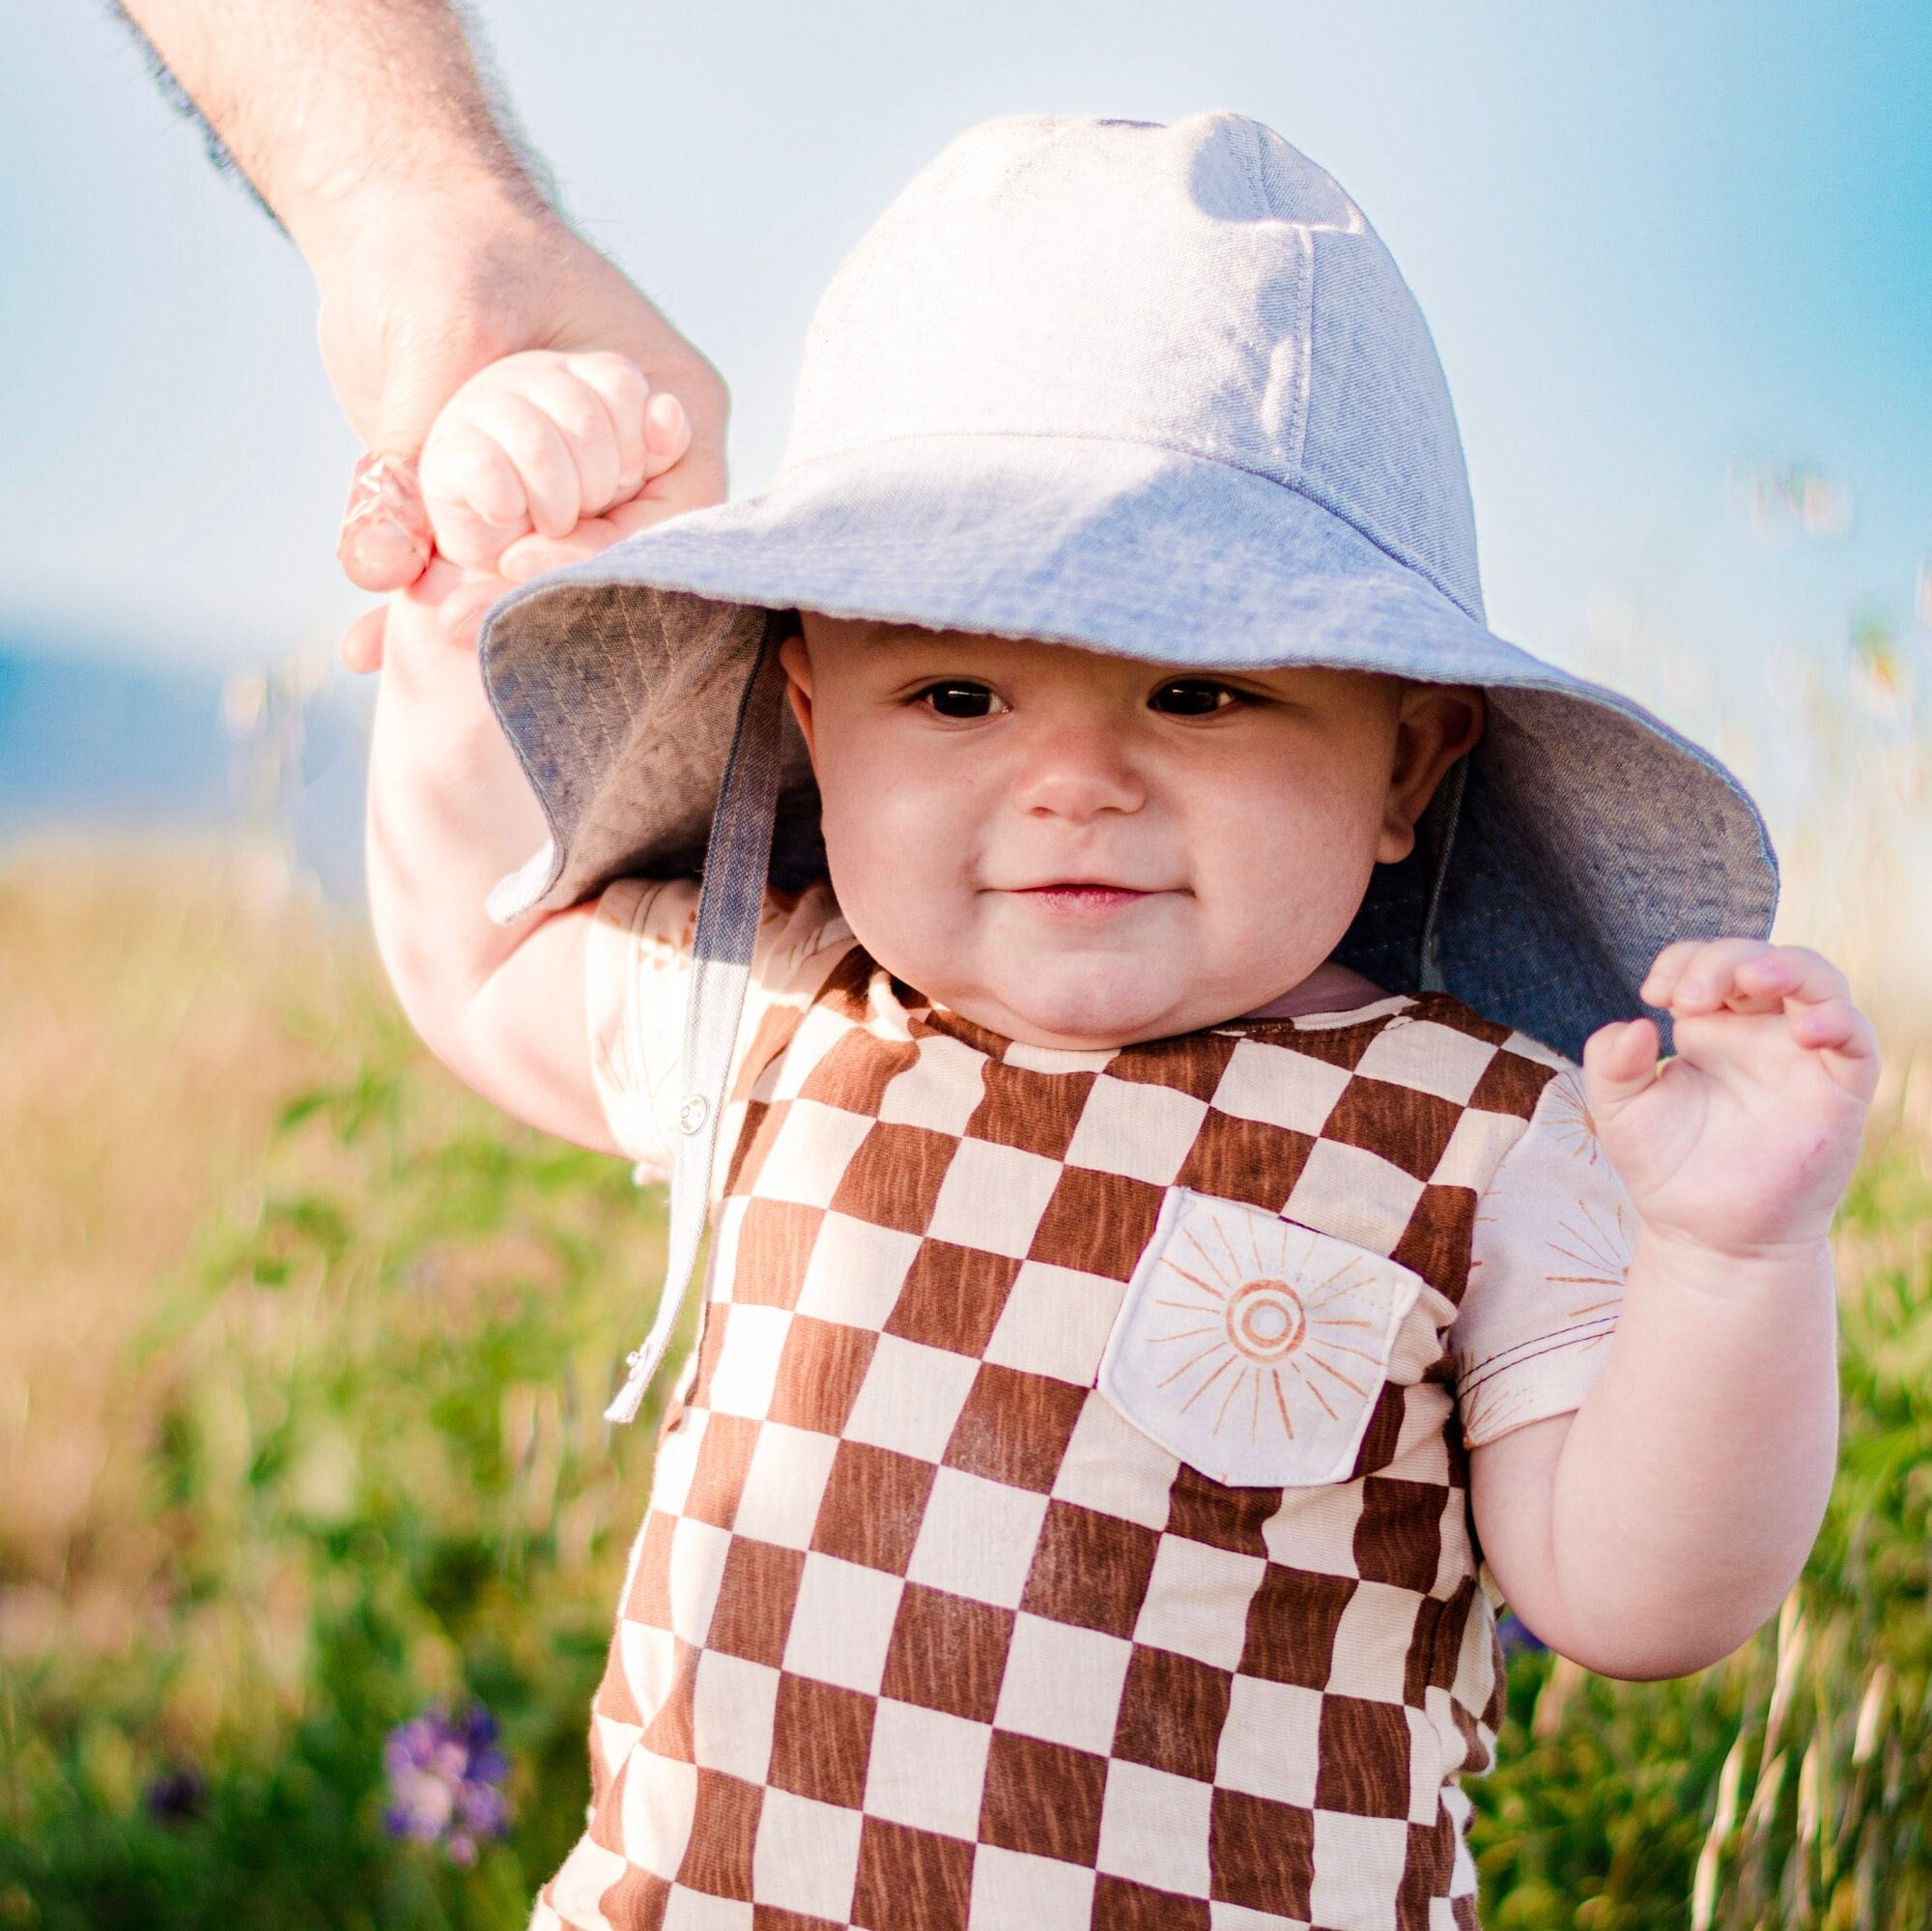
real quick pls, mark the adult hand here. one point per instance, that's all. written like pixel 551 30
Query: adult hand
pixel 418 295
pixel 369 128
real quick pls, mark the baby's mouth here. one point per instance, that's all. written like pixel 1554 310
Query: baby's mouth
pixel 1083 895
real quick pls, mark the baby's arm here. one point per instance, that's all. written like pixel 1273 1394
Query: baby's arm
pixel 1651 1532
pixel 521 468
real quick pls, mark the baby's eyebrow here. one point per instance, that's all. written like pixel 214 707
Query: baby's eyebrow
pixel 912 636
pixel 879 630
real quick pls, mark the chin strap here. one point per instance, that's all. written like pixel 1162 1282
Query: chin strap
pixel 1450 808
pixel 737 861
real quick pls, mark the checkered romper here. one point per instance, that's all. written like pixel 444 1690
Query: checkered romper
pixel 921 1631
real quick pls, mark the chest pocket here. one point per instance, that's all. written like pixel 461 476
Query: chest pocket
pixel 1255 1348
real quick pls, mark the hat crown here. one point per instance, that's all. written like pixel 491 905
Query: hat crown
pixel 1201 287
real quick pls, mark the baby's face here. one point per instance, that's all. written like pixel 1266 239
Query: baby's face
pixel 1079 850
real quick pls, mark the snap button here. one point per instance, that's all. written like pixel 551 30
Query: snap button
pixel 691 1116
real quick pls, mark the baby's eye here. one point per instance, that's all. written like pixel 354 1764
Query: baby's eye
pixel 961 698
pixel 1192 697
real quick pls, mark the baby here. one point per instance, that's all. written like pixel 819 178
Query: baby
pixel 1156 1239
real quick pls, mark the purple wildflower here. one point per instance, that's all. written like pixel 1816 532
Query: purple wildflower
pixel 445 1781
pixel 178 1796
pixel 1518 1638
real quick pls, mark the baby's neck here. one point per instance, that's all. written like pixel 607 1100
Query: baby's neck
pixel 1328 988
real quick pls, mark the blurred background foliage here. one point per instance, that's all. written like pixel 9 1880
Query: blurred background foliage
pixel 301 1438
pixel 281 1474
pixel 1792 1785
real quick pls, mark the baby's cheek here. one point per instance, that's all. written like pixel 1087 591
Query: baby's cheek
pixel 893 891
pixel 1298 865
pixel 1292 897
pixel 899 883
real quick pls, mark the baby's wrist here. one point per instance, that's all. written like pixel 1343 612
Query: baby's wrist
pixel 1698 1259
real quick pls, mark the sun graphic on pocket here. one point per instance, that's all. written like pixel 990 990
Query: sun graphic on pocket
pixel 1265 1320
pixel 1277 1331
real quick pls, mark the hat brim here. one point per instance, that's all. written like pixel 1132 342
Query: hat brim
pixel 1590 834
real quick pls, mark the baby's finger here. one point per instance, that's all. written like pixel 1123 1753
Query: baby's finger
pixel 544 461
pixel 654 505
pixel 464 468
pixel 531 555
pixel 1845 1042
pixel 1797 974
pixel 582 419
pixel 1709 977
pixel 667 434
pixel 1837 1026
pixel 1666 969
pixel 1759 984
pixel 625 392
pixel 362 641
pixel 1619 1063
pixel 474 496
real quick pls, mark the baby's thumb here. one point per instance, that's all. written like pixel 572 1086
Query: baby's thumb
pixel 385 540
pixel 1620 1063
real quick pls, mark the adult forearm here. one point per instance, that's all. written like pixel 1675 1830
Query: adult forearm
pixel 1686 1494
pixel 321 103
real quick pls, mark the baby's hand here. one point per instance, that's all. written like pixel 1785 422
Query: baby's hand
pixel 1744 1139
pixel 526 466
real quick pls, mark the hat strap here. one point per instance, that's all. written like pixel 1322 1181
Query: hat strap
pixel 737 863
pixel 1449 812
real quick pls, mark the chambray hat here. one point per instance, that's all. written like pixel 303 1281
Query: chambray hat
pixel 1154 390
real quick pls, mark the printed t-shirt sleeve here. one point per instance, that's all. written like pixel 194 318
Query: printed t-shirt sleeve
pixel 639 968
pixel 1551 1244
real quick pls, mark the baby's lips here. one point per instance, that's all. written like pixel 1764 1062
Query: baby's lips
pixel 385 540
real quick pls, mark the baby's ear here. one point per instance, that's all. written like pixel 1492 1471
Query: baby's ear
pixel 1436 725
pixel 797 663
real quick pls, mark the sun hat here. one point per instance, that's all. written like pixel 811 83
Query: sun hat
pixel 1154 390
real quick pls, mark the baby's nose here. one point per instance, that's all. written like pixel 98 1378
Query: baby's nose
pixel 1077 771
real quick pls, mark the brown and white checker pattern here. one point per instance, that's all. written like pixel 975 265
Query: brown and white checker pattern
pixel 919 1631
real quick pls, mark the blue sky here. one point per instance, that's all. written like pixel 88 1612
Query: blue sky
pixel 1652 239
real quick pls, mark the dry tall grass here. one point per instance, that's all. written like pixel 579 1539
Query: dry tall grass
pixel 156 1009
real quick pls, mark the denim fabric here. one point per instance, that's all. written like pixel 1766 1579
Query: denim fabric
pixel 730 908
pixel 1160 391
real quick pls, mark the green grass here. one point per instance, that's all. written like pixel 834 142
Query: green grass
pixel 1798 1774
pixel 374 1472
pixel 348 1458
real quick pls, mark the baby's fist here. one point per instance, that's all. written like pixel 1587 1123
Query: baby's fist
pixel 538 445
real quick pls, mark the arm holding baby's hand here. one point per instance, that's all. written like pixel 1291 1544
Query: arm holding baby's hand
pixel 1652 1531
pixel 541 459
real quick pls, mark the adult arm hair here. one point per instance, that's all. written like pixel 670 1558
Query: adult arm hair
pixel 312 105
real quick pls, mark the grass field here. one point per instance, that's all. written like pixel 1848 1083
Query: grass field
pixel 300 1436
